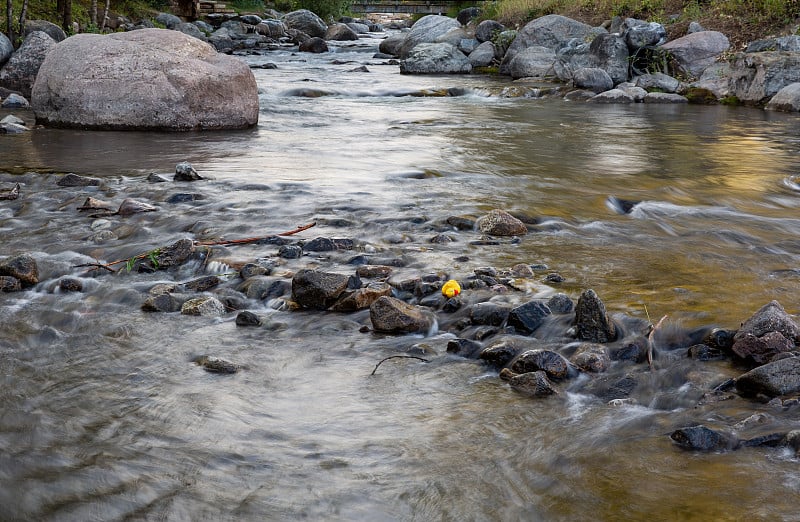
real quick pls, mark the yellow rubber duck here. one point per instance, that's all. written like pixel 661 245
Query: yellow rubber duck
pixel 451 288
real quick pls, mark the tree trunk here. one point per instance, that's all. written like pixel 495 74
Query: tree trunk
pixel 105 15
pixel 93 12
pixel 22 15
pixel 67 21
pixel 10 20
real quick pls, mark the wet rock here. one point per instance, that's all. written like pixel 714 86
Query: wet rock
pixel 20 71
pixel 247 318
pixel 313 45
pixel 695 52
pixel 634 350
pixel 392 315
pixel 290 252
pixel 203 284
pixel 205 306
pixel 156 178
pixel 73 180
pixel 324 244
pixel 780 377
pixel 166 302
pixel 15 101
pixel 720 338
pixel 592 79
pixel 501 223
pixel 461 223
pixel 793 441
pixel 535 384
pixel 770 318
pixel 703 352
pixel 10 284
pixel 392 44
pixel 374 271
pixel 552 363
pixel 657 81
pixel 426 30
pixel 592 323
pixel 251 269
pixel 305 21
pixel 317 290
pixel 528 317
pixel 94 204
pixel 22 267
pixel 131 206
pixel 761 349
pixel 185 172
pixel 772 440
pixel 405 283
pixel 261 287
pixel 613 96
pixel 361 298
pixel 611 388
pixel 451 305
pixel 664 97
pixel 184 197
pixel 10 194
pixel 560 304
pixel 173 255
pixel 550 31
pixel 702 438
pixel 464 347
pixel 70 284
pixel 591 358
pixel 489 313
pixel 435 58
pixel 757 77
pixel 534 62
pixel 502 351
pixel 216 365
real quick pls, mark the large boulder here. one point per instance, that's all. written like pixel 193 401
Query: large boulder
pixel 551 31
pixel 6 49
pixel 639 33
pixel 305 21
pixel 19 73
pixel 487 30
pixel 592 79
pixel 787 99
pixel 610 53
pixel 532 62
pixel 145 79
pixel 392 44
pixel 340 33
pixel 780 377
pixel 757 77
pixel 427 30
pixel 782 43
pixel 54 31
pixel 483 55
pixel 696 51
pixel 435 58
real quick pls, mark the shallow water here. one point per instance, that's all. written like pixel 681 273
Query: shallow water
pixel 105 417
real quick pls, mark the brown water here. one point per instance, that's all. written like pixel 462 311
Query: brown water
pixel 104 417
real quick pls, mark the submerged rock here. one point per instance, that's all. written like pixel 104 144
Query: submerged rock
pixel 10 284
pixel 702 438
pixel 216 365
pixel 535 384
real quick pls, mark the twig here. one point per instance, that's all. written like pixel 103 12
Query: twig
pixel 253 239
pixel 398 357
pixel 650 342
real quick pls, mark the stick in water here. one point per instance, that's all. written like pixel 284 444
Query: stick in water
pixel 398 357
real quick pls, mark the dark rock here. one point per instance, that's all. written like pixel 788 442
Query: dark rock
pixel 216 365
pixel 697 51
pixel 703 352
pixel 464 347
pixel 593 79
pixel 639 33
pixel 261 287
pixel 467 15
pixel 185 172
pixel 290 252
pixel 205 306
pixel 173 255
pixel 361 298
pixel 487 30
pixel 168 20
pixel 433 300
pixel 554 278
pixel 528 317
pixel 489 313
pixel 251 269
pixel 451 305
pixel 761 349
pixel 501 352
pixel 305 21
pixel 164 303
pixel 780 377
pixel 130 206
pixel 317 290
pixel 53 31
pixel 248 318
pixel 184 197
pixel 314 45
pixel 73 180
pixel 591 358
pixel 591 320
pixel 340 32
pixel 535 384
pixel 552 363
pixel 10 284
pixel 634 350
pixel 772 440
pixel 70 284
pixel 609 52
pixel 701 438
pixel 720 338
pixel 770 318
pixel 392 315
pixel 203 284
pixel 501 223
pixel 560 304
pixel 610 389
pixel 324 244
pixel 156 178
pixel 461 223
pixel 274 240
pixel 374 271
pixel 22 267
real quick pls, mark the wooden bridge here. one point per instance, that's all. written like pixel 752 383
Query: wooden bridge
pixel 404 6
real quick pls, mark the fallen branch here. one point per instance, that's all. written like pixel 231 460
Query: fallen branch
pixel 650 342
pixel 398 357
pixel 248 240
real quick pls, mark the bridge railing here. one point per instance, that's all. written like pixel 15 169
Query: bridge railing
pixel 403 6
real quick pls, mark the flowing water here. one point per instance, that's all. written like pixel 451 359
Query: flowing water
pixel 103 416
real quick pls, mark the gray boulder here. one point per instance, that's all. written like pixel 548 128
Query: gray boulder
pixel 787 99
pixel 771 317
pixel 6 49
pixel 500 223
pixel 392 44
pixel 659 81
pixel 715 79
pixel 483 55
pixel 593 79
pixel 757 77
pixel 551 31
pixel 426 30
pixel 780 377
pixel 664 97
pixel 695 52
pixel 272 28
pixel 191 30
pixel 487 30
pixel 250 19
pixel 613 96
pixel 55 32
pixel 453 37
pixel 610 53
pixel 392 315
pixel 222 40
pixel 19 73
pixel 359 28
pixel 783 43
pixel 435 58
pixel 305 21
pixel 313 45
pixel 502 42
pixel 592 323
pixel 468 45
pixel 638 33
pixel 145 79
pixel 168 20
pixel 340 32
pixel 532 62
pixel 317 290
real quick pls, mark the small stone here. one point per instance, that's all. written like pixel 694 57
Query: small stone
pixel 464 348
pixel 528 317
pixel 70 284
pixel 489 313
pixel 94 204
pixel 248 318
pixel 184 197
pixel 591 358
pixel 560 304
pixel 591 320
pixel 22 267
pixel 203 306
pixel 461 223
pixel 373 271
pixel 173 255
pixel 251 269
pixel 203 284
pixel 361 298
pixel 131 206
pixel 15 101
pixel 185 172
pixel 535 384
pixel 702 438
pixel 501 223
pixel 73 180
pixel 166 303
pixel 554 278
pixel 290 252
pixel 156 178
pixel 522 270
pixel 777 378
pixel 216 365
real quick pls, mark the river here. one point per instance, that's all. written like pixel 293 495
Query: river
pixel 103 416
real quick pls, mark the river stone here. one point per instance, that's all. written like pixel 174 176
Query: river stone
pixel 487 30
pixel 361 298
pixel 392 315
pixel 203 284
pixel 168 20
pixel 610 53
pixel 535 384
pixel 502 351
pixel 145 79
pixel 305 21
pixel 272 28
pixel 14 101
pixel 639 33
pixel 453 37
pixel 74 180
pixel 560 304
pixel 551 31
pixel 591 320
pixel 483 55
pixel 317 290
pixel 185 172
pixel 702 438
pixel 770 318
pixel 392 44
pixel 340 32
pixel 22 267
pixel 216 365
pixel 166 302
pixel 553 364
pixel 313 45
pixel 10 284
pixel 501 223
pixel 532 62
pixel 593 79
pixel 190 30
pixel 205 306
pixel 664 98
pixel 590 357
pixel 787 99
pixel 694 52
pixel 779 377
pixel 659 81
pixel 426 30
pixel 21 70
pixel 360 28
pixel 247 318
pixel 612 96
pixel 528 317
pixel 464 347
pixel 762 349
pixel 175 254
pixel 6 49
pixel 435 58
pixel 488 313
